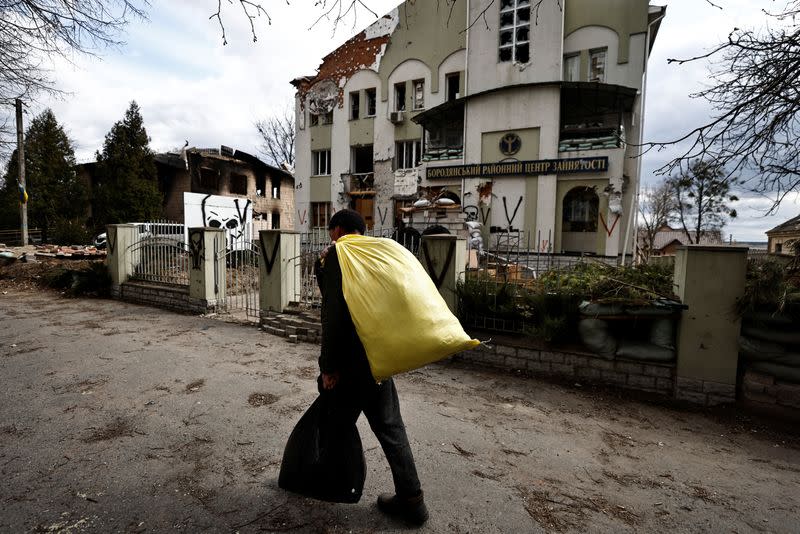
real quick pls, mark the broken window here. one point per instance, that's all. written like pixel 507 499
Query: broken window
pixel 370 94
pixel 238 185
pixel 400 96
pixel 261 186
pixel 320 213
pixel 209 178
pixel 453 85
pixel 276 220
pixel 572 68
pixel 580 210
pixel 276 187
pixel 361 159
pixel 354 103
pixel 321 162
pixel 515 23
pixel 407 154
pixel 321 119
pixel 597 65
pixel 419 94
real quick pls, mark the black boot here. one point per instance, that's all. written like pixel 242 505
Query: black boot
pixel 412 510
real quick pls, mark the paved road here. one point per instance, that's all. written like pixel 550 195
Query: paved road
pixel 121 418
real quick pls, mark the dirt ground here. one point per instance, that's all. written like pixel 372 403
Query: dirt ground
pixel 121 418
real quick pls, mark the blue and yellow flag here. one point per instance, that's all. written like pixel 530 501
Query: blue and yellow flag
pixel 23 194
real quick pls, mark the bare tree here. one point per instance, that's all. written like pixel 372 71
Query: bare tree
pixel 701 196
pixel 755 94
pixel 656 208
pixel 277 138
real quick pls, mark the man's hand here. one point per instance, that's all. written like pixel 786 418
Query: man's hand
pixel 324 252
pixel 329 381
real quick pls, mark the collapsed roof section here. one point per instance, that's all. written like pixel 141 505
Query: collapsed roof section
pixel 363 51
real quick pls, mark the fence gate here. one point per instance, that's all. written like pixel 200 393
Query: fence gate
pixel 241 278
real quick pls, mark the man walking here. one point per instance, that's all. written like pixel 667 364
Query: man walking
pixel 343 365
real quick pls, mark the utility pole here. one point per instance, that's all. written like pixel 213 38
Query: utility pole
pixel 23 205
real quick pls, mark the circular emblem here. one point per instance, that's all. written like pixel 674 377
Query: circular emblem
pixel 510 144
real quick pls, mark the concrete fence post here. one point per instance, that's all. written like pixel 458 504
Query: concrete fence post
pixel 709 280
pixel 207 267
pixel 119 238
pixel 279 265
pixel 444 258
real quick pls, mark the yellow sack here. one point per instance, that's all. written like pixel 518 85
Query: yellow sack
pixel 402 320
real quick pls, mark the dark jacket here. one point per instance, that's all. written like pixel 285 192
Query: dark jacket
pixel 342 350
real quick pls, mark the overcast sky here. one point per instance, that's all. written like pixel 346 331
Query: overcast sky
pixel 191 87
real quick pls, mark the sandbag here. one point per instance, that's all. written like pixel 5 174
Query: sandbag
pixel 402 320
pixel 759 350
pixel 322 459
pixel 637 350
pixel 781 372
pixel 662 333
pixel 791 337
pixel 594 334
pixel 600 308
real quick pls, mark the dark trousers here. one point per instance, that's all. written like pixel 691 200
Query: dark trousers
pixel 381 407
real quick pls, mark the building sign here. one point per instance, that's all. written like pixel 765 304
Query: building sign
pixel 543 166
pixel 510 144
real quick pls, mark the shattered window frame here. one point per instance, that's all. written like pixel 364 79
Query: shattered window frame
pixel 407 154
pixel 400 96
pixel 371 98
pixel 355 105
pixel 320 213
pixel 453 80
pixel 418 94
pixel 321 161
pixel 235 183
pixel 597 64
pixel 514 31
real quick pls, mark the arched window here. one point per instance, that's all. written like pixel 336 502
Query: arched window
pixel 581 207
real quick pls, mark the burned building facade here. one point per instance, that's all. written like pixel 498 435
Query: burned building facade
pixel 227 172
pixel 529 121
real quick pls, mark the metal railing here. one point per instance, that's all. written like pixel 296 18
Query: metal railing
pixel 160 253
pixel 312 244
pixel 159 259
pixel 242 277
pixel 13 238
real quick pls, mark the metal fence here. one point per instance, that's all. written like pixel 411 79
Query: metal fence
pixel 514 254
pixel 160 254
pixel 13 238
pixel 314 242
pixel 242 277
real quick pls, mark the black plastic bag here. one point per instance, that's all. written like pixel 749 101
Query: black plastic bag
pixel 324 459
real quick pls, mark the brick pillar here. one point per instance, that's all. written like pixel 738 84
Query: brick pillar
pixel 206 267
pixel 119 238
pixel 280 269
pixel 709 280
pixel 444 258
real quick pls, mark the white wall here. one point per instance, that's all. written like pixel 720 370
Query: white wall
pixel 590 37
pixel 302 166
pixel 487 72
pixel 517 108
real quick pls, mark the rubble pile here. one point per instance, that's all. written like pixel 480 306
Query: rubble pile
pixel 73 251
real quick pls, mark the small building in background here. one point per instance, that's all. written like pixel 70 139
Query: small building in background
pixel 783 237
pixel 668 239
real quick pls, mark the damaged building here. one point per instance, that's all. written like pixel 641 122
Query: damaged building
pixel 227 172
pixel 528 122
